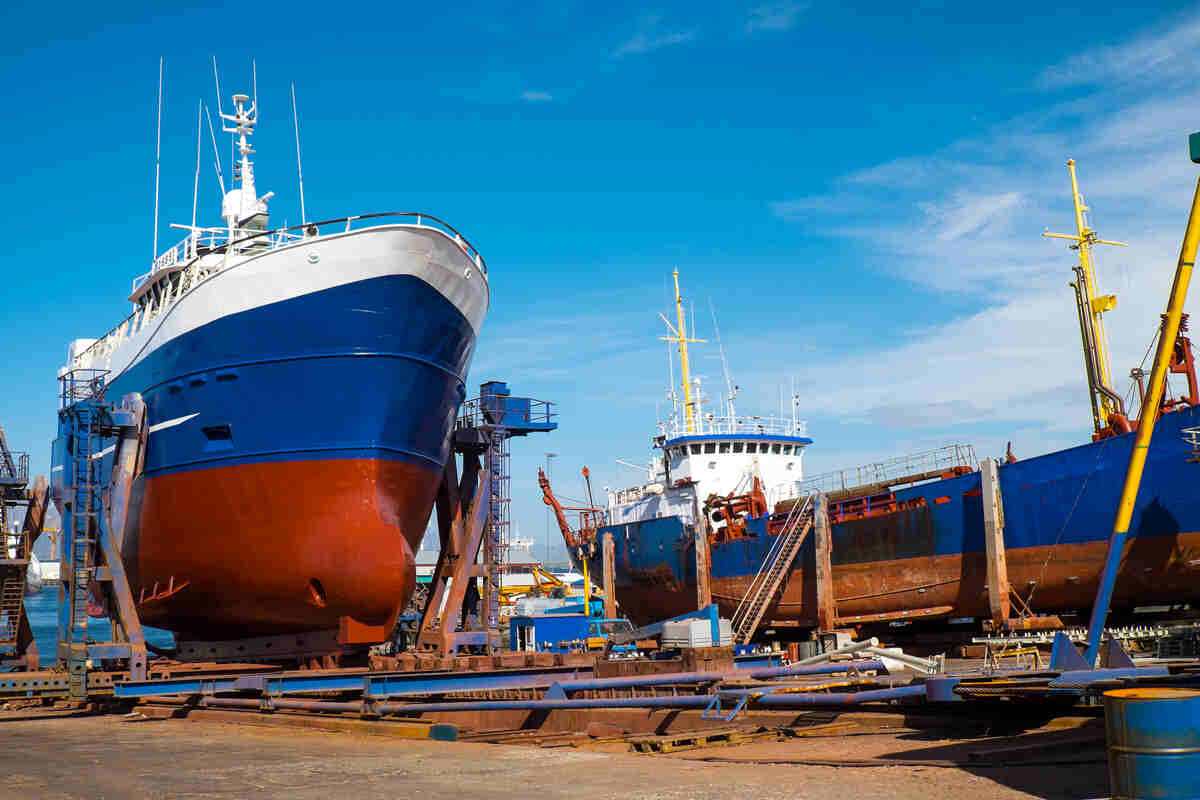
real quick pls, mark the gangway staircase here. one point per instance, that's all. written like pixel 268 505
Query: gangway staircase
pixel 772 573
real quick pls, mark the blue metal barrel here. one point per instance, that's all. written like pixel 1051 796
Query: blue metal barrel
pixel 1153 743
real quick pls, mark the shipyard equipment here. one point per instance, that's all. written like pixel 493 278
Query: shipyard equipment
pixel 580 542
pixel 473 520
pixel 1108 408
pixel 17 647
pixel 94 503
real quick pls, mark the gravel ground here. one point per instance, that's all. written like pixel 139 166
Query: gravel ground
pixel 106 757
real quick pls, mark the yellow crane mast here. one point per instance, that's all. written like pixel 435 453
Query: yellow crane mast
pixel 679 335
pixel 1091 306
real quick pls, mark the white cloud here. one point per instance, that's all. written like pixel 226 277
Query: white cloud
pixel 533 96
pixel 967 219
pixel 1165 53
pixel 651 36
pixel 781 16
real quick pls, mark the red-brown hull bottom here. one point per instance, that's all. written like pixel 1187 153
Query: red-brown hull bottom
pixel 1158 569
pixel 268 548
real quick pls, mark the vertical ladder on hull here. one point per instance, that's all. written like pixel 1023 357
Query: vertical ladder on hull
pixel 80 545
pixel 772 572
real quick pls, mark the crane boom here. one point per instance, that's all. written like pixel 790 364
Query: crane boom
pixel 549 499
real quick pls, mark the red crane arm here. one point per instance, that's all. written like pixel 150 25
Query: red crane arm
pixel 549 499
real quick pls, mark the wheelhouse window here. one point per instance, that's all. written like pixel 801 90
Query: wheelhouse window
pixel 724 448
pixel 711 447
pixel 787 449
pixel 775 448
pixel 695 449
pixel 751 447
pixel 737 447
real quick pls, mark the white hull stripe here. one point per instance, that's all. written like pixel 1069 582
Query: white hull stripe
pixel 171 423
pixel 286 273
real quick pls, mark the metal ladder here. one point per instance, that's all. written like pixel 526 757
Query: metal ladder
pixel 12 601
pixel 80 545
pixel 771 573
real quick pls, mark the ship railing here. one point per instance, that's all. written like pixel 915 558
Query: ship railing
pixel 739 425
pixel 204 241
pixel 198 242
pixel 515 412
pixel 15 545
pixel 14 468
pixel 911 468
pixel 80 384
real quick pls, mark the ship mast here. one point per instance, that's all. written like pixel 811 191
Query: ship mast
pixel 1091 307
pixel 679 335
pixel 242 208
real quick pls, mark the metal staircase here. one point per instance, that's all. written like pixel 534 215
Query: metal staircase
pixel 14 548
pixel 12 600
pixel 775 568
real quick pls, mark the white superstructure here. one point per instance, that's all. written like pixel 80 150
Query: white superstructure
pixel 700 453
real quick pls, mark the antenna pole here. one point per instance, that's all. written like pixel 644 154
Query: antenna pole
pixel 217 81
pixel 724 363
pixel 196 178
pixel 157 158
pixel 254 83
pixel 299 170
pixel 216 153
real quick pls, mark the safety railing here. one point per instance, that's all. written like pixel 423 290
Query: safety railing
pixel 14 468
pixel 76 385
pixel 903 469
pixel 743 425
pixel 514 412
pixel 207 241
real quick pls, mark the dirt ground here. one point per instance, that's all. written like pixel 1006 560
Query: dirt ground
pixel 108 757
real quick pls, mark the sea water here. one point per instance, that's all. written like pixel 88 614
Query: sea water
pixel 43 618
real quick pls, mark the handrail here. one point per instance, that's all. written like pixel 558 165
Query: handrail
pixel 899 470
pixel 282 240
pixel 740 424
pixel 758 584
pixel 420 215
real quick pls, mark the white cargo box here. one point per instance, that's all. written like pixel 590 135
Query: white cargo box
pixel 687 633
pixel 726 633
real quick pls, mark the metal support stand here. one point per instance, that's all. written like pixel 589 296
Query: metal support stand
pixel 703 573
pixel 473 515
pixel 608 554
pixel 827 619
pixel 17 648
pixel 92 567
pixel 462 508
pixel 993 533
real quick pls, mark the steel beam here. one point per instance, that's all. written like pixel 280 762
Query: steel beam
pixel 608 555
pixel 998 590
pixel 827 619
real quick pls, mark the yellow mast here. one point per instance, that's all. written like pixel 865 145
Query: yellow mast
pixel 680 336
pixel 1090 317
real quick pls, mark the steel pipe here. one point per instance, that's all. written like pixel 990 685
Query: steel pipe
pixel 922 664
pixel 853 647
pixel 687 701
pixel 780 700
pixel 815 669
pixel 585 684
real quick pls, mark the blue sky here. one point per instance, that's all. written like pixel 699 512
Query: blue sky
pixel 857 188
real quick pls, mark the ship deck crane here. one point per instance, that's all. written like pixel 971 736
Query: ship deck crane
pixel 583 541
pixel 1108 407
